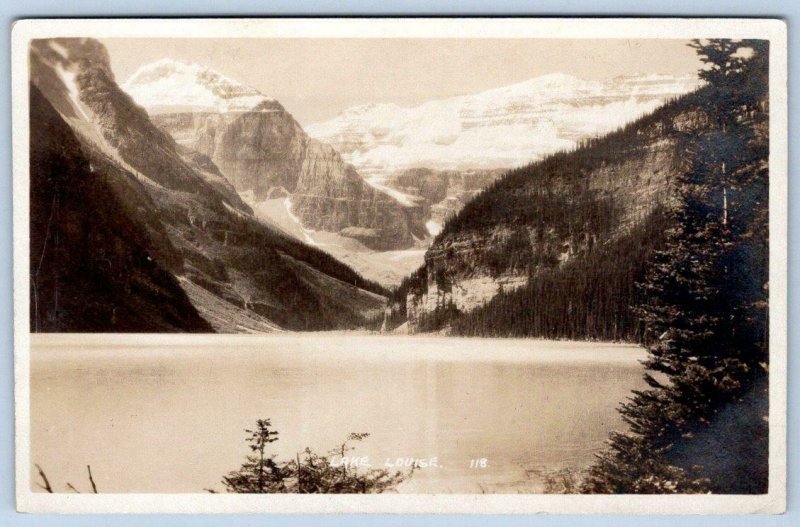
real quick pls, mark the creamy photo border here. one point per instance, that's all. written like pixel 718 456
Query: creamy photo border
pixel 362 28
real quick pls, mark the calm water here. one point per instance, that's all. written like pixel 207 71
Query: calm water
pixel 167 414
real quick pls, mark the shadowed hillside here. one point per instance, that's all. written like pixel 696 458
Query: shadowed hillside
pixel 93 267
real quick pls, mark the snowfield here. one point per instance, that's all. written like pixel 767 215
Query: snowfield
pixel 499 128
pixel 168 85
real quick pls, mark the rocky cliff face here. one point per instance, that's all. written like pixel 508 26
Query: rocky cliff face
pixel 446 191
pixel 260 150
pixel 500 128
pixel 266 154
pixel 238 274
pixel 554 216
pixel 331 196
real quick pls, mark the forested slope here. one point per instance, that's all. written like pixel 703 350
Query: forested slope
pixel 555 248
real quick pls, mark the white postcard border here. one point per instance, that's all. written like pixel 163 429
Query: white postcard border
pixel 550 28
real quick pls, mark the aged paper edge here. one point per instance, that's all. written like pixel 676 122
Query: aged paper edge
pixel 551 28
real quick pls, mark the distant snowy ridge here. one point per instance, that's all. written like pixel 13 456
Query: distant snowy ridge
pixel 169 85
pixel 498 128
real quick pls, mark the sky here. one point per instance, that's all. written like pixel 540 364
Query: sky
pixel 316 79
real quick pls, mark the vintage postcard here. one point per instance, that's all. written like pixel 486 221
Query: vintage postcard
pixel 400 265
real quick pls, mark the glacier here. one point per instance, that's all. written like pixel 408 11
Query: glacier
pixel 169 85
pixel 500 128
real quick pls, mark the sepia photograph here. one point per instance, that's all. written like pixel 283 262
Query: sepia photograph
pixel 477 265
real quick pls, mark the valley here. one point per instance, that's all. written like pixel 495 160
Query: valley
pixel 258 218
pixel 379 217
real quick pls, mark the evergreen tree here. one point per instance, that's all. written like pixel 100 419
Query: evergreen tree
pixel 259 473
pixel 705 308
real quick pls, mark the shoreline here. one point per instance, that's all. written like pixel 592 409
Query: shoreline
pixel 352 348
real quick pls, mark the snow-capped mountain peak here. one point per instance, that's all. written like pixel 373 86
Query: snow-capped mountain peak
pixel 497 128
pixel 169 85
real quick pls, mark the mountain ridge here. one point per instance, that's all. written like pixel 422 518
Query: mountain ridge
pixel 167 84
pixel 201 232
pixel 75 283
pixel 503 127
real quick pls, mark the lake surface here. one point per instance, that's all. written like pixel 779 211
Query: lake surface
pixel 167 413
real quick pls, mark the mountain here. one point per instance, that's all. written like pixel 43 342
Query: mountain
pixel 500 128
pixel 134 232
pixel 420 165
pixel 446 151
pixel 91 265
pixel 267 155
pixel 555 248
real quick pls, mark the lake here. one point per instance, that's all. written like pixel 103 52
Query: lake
pixel 167 413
